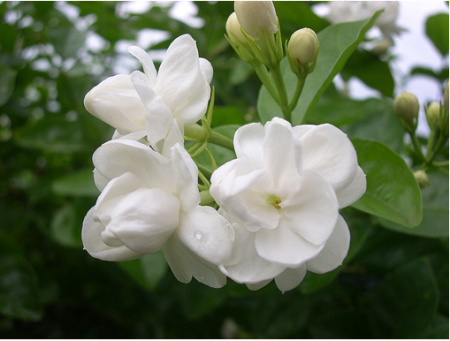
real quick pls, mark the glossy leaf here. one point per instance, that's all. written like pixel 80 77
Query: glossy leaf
pixel 437 30
pixel 78 184
pixel 66 227
pixel 7 81
pixel 405 304
pixel 19 295
pixel 435 210
pixel 392 191
pixel 146 271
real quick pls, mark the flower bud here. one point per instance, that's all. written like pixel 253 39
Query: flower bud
pixel 406 107
pixel 433 115
pixel 233 29
pixel 302 51
pixel 257 17
pixel 421 178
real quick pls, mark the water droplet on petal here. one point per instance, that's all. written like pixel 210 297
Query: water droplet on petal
pixel 198 235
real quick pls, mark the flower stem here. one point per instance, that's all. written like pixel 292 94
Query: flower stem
pixel 281 88
pixel 265 79
pixel 199 133
pixel 206 199
pixel 416 145
pixel 298 91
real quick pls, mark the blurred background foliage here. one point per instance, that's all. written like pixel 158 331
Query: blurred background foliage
pixel 394 283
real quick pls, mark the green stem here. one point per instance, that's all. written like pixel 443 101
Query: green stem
pixel 430 144
pixel 416 145
pixel 298 91
pixel 206 198
pixel 264 77
pixel 440 144
pixel 199 133
pixel 281 88
pixel 204 179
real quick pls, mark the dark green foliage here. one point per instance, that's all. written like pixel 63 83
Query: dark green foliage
pixel 394 283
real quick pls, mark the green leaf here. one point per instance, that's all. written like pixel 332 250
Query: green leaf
pixel 435 210
pixel 392 191
pixel 66 227
pixel 19 295
pixel 374 72
pixel 146 271
pixel 53 133
pixel 405 304
pixel 340 324
pixel 77 184
pixel 438 328
pixel 337 43
pixel 437 31
pixel 7 81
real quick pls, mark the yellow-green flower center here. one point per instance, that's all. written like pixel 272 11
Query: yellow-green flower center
pixel 274 201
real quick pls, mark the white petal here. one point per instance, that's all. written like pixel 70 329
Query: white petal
pixel 116 157
pixel 181 82
pixel 329 152
pixel 186 177
pixel 116 102
pixel 283 246
pixel 248 143
pixel 174 136
pixel 290 278
pixel 258 285
pixel 185 264
pixel 282 157
pixel 99 180
pixel 207 69
pixel 245 265
pixel 335 250
pixel 312 214
pixel 93 244
pixel 144 219
pixel 205 232
pixel 147 63
pixel 352 192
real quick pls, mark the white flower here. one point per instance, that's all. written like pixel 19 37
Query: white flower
pixel 156 104
pixel 176 95
pixel 149 202
pixel 343 11
pixel 282 194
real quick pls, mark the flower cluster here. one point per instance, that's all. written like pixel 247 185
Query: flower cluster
pixel 278 201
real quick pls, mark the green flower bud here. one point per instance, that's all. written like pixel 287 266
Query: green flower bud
pixel 421 178
pixel 257 18
pixel 406 107
pixel 302 51
pixel 433 115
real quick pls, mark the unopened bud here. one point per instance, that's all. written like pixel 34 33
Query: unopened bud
pixel 406 107
pixel 233 29
pixel 257 17
pixel 433 115
pixel 421 178
pixel 302 51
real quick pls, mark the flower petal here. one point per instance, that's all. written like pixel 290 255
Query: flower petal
pixel 205 232
pixel 335 250
pixel 248 143
pixel 186 177
pixel 116 102
pixel 174 136
pixel 282 157
pixel 147 63
pixel 284 247
pixel 312 214
pixel 329 152
pixel 93 244
pixel 185 264
pixel 257 285
pixel 245 265
pixel 290 278
pixel 207 69
pixel 116 157
pixel 144 219
pixel 181 81
pixel 353 191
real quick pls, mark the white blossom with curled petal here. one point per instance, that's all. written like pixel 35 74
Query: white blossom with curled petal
pixel 282 195
pixel 149 202
pixel 176 95
pixel 156 104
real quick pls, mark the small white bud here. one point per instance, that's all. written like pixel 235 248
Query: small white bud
pixel 302 50
pixel 406 107
pixel 257 17
pixel 233 29
pixel 433 115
